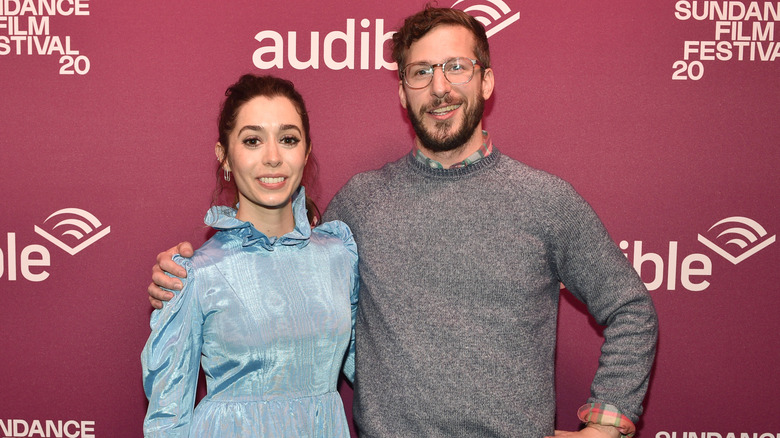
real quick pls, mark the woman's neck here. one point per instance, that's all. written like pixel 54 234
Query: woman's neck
pixel 273 222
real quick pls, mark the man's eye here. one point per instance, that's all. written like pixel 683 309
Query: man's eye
pixel 423 71
pixel 455 67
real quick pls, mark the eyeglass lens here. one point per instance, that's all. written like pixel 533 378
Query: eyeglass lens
pixel 457 71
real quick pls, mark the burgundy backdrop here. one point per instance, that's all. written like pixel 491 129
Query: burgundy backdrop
pixel 663 114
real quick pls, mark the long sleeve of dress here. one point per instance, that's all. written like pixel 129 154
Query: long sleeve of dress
pixel 349 363
pixel 171 362
pixel 342 230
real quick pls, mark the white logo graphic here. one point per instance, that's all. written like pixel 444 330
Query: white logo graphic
pixel 75 225
pixel 737 238
pixel 47 428
pixel 364 41
pixel 493 14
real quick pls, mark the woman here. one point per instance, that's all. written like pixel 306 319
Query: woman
pixel 268 306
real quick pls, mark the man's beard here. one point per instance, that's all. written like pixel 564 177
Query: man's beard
pixel 438 141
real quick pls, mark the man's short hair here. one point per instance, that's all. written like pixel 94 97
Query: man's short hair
pixel 419 24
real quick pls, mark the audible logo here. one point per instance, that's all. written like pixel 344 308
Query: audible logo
pixel 738 238
pixel 272 55
pixel 495 15
pixel 71 229
pixel 734 238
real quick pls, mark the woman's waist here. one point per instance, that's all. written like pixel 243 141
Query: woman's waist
pixel 271 397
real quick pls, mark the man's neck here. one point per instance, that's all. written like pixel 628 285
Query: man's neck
pixel 453 156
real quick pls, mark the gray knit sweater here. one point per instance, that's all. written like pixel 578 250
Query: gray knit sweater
pixel 459 287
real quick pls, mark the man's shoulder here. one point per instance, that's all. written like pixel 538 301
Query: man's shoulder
pixel 367 180
pixel 518 172
pixel 388 170
pixel 362 188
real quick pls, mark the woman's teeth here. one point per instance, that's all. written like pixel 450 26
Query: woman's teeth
pixel 272 180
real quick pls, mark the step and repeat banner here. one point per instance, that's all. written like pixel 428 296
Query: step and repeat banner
pixel 663 114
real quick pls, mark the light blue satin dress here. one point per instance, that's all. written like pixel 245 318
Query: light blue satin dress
pixel 271 321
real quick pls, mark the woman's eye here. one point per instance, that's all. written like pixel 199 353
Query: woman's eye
pixel 251 141
pixel 290 140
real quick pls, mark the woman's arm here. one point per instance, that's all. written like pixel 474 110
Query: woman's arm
pixel 171 362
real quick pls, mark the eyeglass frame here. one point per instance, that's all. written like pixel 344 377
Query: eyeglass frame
pixel 474 63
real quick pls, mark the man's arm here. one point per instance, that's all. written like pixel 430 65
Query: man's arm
pixel 598 274
pixel 160 279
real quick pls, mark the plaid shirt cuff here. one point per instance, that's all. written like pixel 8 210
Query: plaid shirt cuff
pixel 606 415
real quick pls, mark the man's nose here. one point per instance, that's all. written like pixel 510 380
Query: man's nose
pixel 440 86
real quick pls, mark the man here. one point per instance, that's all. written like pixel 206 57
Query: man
pixel 462 251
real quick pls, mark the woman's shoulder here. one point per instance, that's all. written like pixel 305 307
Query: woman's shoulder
pixel 213 250
pixel 337 231
pixel 334 228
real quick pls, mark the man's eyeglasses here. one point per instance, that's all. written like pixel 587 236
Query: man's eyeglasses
pixel 457 71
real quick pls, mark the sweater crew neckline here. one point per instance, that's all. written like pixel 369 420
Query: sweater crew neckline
pixel 453 173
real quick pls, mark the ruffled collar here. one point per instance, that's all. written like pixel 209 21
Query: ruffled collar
pixel 223 218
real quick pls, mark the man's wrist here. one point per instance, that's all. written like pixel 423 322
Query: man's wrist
pixel 607 431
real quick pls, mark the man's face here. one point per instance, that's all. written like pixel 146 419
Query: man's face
pixel 445 116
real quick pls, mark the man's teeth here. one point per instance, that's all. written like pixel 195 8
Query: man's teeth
pixel 272 180
pixel 445 109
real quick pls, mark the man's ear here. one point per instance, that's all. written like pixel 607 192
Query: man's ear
pixel 488 82
pixel 402 93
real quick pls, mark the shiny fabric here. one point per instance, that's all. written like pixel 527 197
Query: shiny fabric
pixel 271 321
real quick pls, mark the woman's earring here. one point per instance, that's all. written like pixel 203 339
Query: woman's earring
pixel 226 174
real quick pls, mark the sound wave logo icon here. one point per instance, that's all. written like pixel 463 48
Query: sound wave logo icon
pixel 79 228
pixel 737 238
pixel 493 14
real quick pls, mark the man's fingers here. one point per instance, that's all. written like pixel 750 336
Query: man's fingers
pixel 158 293
pixel 157 304
pixel 165 263
pixel 161 280
pixel 185 249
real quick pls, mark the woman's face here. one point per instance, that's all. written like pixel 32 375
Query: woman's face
pixel 267 153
